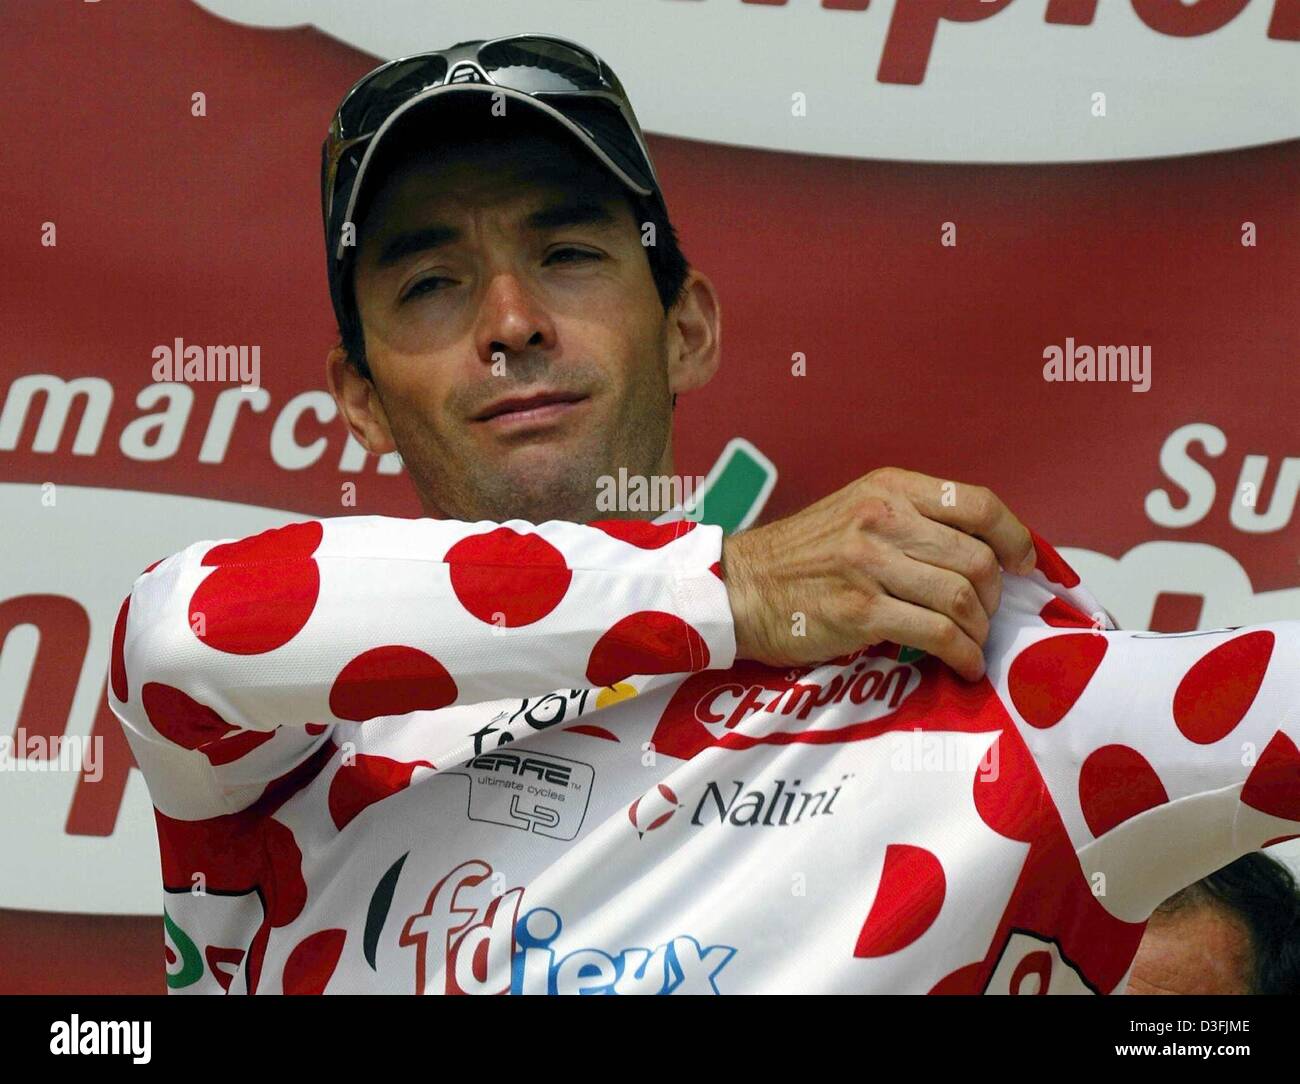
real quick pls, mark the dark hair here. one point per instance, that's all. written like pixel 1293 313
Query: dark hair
pixel 1263 893
pixel 668 266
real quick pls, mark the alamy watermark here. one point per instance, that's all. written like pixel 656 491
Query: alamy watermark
pixel 928 751
pixel 1112 364
pixel 24 752
pixel 653 493
pixel 193 364
pixel 113 1037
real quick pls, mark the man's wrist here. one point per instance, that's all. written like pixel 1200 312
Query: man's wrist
pixel 738 575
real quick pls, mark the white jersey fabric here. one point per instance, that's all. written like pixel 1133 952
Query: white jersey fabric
pixel 429 756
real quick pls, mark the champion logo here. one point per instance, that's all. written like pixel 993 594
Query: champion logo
pixel 752 704
pixel 653 809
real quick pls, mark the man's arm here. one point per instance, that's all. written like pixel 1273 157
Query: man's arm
pixel 343 620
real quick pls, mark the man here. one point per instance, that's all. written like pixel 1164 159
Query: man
pixel 517 746
pixel 1236 931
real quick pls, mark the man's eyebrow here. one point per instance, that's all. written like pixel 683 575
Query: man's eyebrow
pixel 408 243
pixel 570 211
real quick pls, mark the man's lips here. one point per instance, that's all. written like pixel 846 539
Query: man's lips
pixel 539 407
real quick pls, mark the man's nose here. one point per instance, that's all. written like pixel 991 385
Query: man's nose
pixel 512 319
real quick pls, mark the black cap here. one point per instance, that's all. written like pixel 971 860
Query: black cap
pixel 553 77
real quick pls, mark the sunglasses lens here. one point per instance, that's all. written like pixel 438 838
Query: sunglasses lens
pixel 540 64
pixel 370 103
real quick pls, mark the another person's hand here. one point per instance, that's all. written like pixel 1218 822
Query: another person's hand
pixel 895 556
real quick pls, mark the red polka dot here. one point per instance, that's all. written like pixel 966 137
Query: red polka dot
pixel 291 542
pixel 1216 693
pixel 1061 614
pixel 910 896
pixel 181 719
pixel 716 569
pixel 262 592
pixel 506 578
pixel 315 728
pixel 1048 677
pixel 312 962
pixel 1278 839
pixel 646 642
pixel 169 954
pixel 117 665
pixel 153 566
pixel 1052 565
pixel 391 680
pixel 230 749
pixel 1116 783
pixel 1273 786
pixel 642 533
pixel 363 782
pixel 1010 796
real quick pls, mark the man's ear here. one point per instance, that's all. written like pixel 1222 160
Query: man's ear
pixel 358 402
pixel 695 334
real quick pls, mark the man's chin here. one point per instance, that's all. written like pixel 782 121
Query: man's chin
pixel 541 487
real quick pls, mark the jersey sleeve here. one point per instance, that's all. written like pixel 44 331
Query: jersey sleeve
pixel 1167 756
pixel 343 620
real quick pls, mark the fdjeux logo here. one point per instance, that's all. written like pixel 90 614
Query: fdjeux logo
pixel 469 940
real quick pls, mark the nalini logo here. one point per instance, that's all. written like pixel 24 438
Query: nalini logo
pixel 482 944
pixel 734 803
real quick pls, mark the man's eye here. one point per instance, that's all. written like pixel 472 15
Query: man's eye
pixel 424 286
pixel 571 255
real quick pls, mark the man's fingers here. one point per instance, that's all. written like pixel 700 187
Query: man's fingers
pixel 915 626
pixel 973 509
pixel 937 589
pixel 948 548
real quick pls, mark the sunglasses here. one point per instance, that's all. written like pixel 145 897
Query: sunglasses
pixel 562 75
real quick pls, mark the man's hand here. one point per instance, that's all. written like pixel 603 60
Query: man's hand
pixel 895 556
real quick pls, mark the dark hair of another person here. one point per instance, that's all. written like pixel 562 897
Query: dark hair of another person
pixel 1263 894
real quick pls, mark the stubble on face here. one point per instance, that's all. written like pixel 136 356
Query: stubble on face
pixel 460 477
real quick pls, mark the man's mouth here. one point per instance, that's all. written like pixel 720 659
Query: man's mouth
pixel 530 409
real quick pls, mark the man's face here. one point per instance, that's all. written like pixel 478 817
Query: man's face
pixel 517 343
